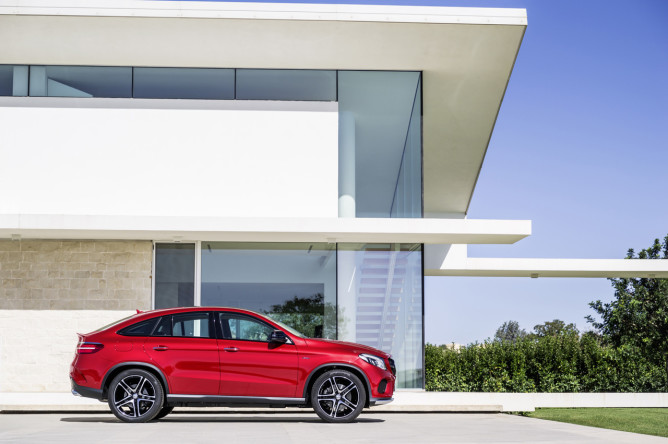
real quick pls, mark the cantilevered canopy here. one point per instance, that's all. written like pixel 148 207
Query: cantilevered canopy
pixel 431 231
pixel 466 56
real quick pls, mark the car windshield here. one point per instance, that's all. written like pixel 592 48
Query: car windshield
pixel 285 327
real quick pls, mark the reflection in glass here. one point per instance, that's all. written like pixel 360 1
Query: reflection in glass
pixel 183 83
pixel 286 84
pixel 174 275
pixel 80 81
pixel 13 80
pixel 294 283
pixel 380 303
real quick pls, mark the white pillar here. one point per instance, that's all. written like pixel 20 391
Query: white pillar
pixel 346 164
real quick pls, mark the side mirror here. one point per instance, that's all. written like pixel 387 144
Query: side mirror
pixel 279 336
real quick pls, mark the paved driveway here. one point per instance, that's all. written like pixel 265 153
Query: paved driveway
pixel 303 428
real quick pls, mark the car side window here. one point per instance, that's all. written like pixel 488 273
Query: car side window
pixel 164 327
pixel 245 328
pixel 191 325
pixel 143 328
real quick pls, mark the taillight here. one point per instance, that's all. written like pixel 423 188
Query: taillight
pixel 86 348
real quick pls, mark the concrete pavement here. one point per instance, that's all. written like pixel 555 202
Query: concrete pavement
pixel 304 428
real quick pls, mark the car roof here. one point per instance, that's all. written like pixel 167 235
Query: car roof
pixel 141 315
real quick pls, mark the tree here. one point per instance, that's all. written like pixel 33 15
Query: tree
pixel 556 327
pixel 638 314
pixel 310 315
pixel 510 332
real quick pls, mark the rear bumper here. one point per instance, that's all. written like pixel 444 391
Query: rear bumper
pixel 86 392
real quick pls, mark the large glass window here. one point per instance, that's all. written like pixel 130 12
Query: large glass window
pixel 380 138
pixel 407 199
pixel 183 83
pixel 174 275
pixel 294 283
pixel 286 84
pixel 13 80
pixel 380 303
pixel 80 81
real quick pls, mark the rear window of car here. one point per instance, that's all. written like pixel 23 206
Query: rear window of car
pixel 143 328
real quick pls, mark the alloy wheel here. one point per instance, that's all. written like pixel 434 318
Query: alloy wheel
pixel 135 396
pixel 338 396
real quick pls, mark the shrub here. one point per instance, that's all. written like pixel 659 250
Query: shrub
pixel 565 363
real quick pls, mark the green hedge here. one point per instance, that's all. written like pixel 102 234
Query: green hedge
pixel 549 364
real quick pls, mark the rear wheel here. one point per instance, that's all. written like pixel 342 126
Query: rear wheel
pixel 338 396
pixel 135 396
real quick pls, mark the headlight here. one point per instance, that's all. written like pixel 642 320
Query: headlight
pixel 374 360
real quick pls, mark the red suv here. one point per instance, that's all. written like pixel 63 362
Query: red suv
pixel 149 363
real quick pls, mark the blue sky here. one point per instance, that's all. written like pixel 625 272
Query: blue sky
pixel 580 147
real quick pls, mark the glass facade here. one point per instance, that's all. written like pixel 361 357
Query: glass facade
pixel 381 117
pixel 286 84
pixel 80 81
pixel 174 275
pixel 380 303
pixel 13 80
pixel 407 199
pixel 365 293
pixel 183 83
pixel 293 283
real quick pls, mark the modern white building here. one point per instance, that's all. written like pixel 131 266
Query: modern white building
pixel 312 162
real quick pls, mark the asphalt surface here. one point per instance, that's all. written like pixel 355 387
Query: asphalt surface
pixel 303 428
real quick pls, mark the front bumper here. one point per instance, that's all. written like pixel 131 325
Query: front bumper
pixel 379 401
pixel 86 392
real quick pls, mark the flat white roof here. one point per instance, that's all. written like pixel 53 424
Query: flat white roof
pixel 267 11
pixel 466 56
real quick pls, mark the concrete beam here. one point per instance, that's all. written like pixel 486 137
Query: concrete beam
pixel 534 268
pixel 427 231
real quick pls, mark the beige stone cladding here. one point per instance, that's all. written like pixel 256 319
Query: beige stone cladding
pixel 37 346
pixel 75 275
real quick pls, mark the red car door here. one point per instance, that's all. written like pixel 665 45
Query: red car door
pixel 185 348
pixel 250 365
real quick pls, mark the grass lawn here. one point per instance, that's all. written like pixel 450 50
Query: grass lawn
pixel 636 420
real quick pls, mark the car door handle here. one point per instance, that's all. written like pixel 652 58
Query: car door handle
pixel 160 348
pixel 231 349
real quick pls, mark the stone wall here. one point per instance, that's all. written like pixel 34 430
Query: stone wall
pixel 37 346
pixel 75 275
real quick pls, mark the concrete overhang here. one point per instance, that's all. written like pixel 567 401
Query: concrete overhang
pixel 429 231
pixel 466 56
pixel 535 268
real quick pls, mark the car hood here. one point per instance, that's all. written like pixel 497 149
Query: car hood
pixel 349 345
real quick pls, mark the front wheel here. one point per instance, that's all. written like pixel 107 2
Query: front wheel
pixel 135 396
pixel 166 410
pixel 338 396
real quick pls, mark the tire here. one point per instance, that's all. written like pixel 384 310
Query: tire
pixel 135 396
pixel 166 410
pixel 338 396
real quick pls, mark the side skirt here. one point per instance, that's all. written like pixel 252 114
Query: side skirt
pixel 232 401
